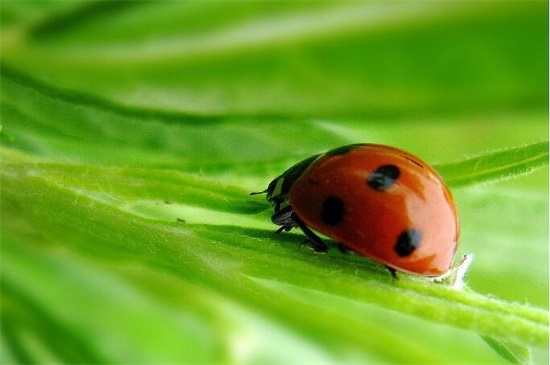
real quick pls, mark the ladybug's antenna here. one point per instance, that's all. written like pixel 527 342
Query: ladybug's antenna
pixel 258 192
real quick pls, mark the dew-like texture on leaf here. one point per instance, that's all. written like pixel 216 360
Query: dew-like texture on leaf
pixel 132 134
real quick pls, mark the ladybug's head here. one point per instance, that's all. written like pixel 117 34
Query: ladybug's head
pixel 277 191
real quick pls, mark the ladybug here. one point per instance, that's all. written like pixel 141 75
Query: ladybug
pixel 376 200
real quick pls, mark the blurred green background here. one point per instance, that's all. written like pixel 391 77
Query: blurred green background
pixel 132 133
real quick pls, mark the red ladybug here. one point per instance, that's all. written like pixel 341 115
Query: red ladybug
pixel 376 200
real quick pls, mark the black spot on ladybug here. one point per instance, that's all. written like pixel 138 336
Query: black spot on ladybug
pixel 383 178
pixel 407 242
pixel 343 150
pixel 333 210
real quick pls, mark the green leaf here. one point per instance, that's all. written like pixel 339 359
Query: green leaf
pixel 107 193
pixel 496 166
pixel 133 132
pixel 512 352
pixel 292 58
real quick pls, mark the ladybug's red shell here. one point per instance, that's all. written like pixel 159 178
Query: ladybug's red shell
pixel 382 203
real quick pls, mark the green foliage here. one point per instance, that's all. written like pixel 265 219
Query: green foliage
pixel 132 132
pixel 495 166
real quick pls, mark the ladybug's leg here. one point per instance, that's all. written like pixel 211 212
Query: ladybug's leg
pixel 346 249
pixel 283 217
pixel 286 218
pixel 393 272
pixel 316 242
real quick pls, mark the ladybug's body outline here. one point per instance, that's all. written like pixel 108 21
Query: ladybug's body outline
pixel 376 200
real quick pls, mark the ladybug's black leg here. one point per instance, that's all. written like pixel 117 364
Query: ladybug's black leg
pixel 393 272
pixel 316 242
pixel 283 229
pixel 346 249
pixel 286 218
